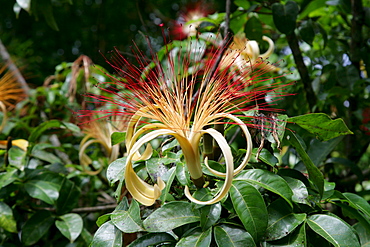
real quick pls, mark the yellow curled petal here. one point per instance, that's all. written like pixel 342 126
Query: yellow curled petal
pixel 85 160
pixel 21 143
pixel 252 49
pixel 248 148
pixel 143 192
pixel 271 48
pixel 5 117
pixel 225 148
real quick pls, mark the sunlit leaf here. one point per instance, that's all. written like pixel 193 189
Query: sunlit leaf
pixel 7 220
pixel 231 236
pixel 197 238
pixel 153 239
pixel 170 216
pixel 250 207
pixel 107 236
pixel 282 220
pixel 269 181
pixel 321 125
pixel 128 221
pixel 334 230
pixel 70 225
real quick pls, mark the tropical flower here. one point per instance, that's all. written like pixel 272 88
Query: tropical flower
pixel 171 100
pixel 245 54
pixel 10 93
pixel 188 21
pixel 99 131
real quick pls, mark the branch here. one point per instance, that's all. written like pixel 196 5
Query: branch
pixel 8 61
pixel 86 209
pixel 302 69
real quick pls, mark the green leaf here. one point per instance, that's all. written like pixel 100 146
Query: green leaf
pixel 282 221
pixel 364 235
pixel 358 202
pixel 209 215
pixel 168 178
pixel 7 221
pixel 334 230
pixel 170 216
pixel 116 170
pixel 45 8
pixel 253 29
pixel 117 137
pixel 321 125
pixel 285 16
pixel 43 190
pixel 266 157
pixel 153 239
pixel 196 239
pixel 182 174
pixel 107 236
pixel 313 172
pixel 300 192
pixel 17 157
pixel 70 225
pixel 269 181
pixel 36 227
pixel 128 221
pixel 39 130
pixel 231 236
pixel 295 239
pixel 69 194
pixel 8 177
pixel 250 207
pixel 318 151
pixel 86 237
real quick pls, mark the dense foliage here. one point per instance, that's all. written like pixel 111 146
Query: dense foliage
pixel 62 177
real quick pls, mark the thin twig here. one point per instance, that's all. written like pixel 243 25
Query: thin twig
pixel 8 61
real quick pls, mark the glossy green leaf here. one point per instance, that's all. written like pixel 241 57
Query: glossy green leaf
pixel 250 207
pixel 281 220
pixel 168 179
pixel 17 157
pixel 334 230
pixel 266 157
pixel 285 16
pixel 197 238
pixel 8 177
pixel 209 215
pixel 153 239
pixel 43 190
pixel 70 225
pixel 86 237
pixel 39 130
pixel 319 151
pixel 232 236
pixel 364 235
pixel 253 29
pixel 7 221
pixel 182 174
pixel 36 227
pixel 116 170
pixel 321 125
pixel 269 181
pixel 300 192
pixel 170 216
pixel 68 198
pixel 296 239
pixel 117 137
pixel 107 236
pixel 358 202
pixel 128 221
pixel 313 172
